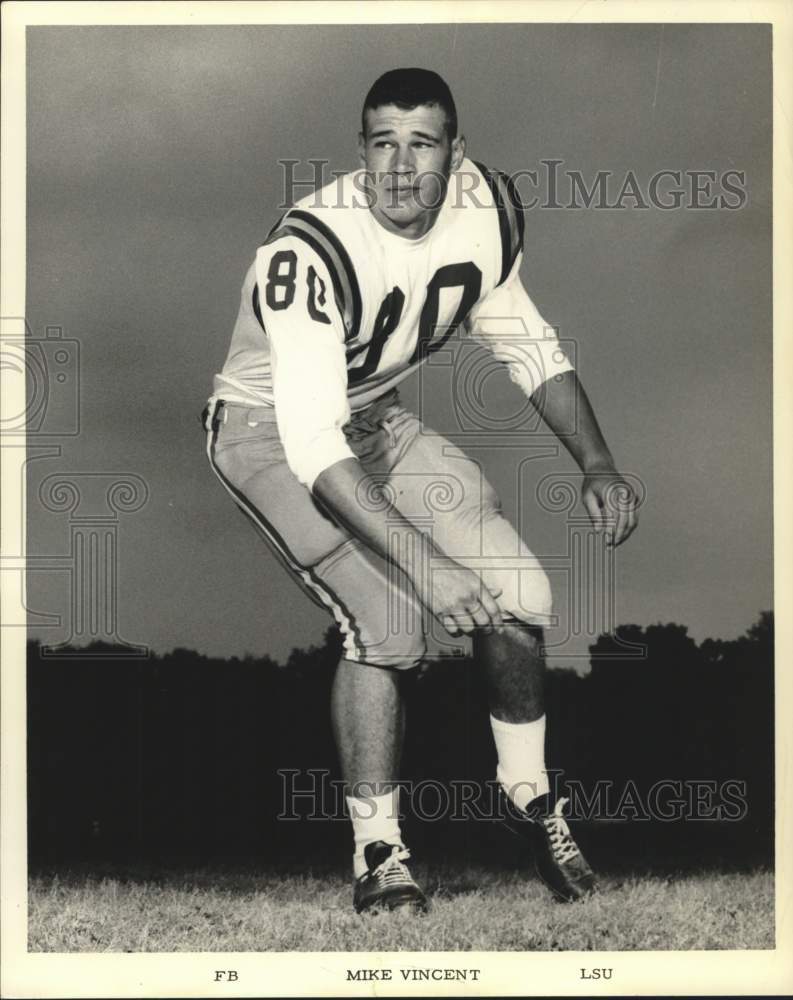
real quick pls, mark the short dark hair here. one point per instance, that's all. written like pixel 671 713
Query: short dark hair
pixel 409 88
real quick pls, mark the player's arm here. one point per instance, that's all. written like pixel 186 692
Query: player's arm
pixel 508 322
pixel 606 495
pixel 308 358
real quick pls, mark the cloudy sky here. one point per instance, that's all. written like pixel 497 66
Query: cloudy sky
pixel 153 174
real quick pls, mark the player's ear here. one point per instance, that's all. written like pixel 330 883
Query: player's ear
pixel 458 152
pixel 362 148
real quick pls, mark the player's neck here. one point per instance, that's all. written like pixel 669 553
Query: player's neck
pixel 413 230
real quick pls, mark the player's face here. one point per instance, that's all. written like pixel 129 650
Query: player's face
pixel 408 158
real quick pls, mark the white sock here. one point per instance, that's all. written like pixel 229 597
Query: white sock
pixel 375 817
pixel 521 759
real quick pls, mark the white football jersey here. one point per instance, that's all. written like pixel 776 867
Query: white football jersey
pixel 336 310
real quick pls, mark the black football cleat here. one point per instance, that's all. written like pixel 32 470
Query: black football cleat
pixel 557 859
pixel 387 884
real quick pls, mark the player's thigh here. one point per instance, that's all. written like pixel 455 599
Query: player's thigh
pixel 441 488
pixel 246 453
pixel 445 490
pixel 371 600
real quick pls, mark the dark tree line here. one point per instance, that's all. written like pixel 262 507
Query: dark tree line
pixel 176 758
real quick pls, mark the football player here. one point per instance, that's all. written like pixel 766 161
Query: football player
pixel 374 515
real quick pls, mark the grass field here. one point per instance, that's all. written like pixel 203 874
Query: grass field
pixel 472 910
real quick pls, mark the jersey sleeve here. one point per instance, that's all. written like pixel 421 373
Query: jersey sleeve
pixel 306 334
pixel 508 323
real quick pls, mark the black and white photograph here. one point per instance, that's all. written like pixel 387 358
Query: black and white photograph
pixel 389 499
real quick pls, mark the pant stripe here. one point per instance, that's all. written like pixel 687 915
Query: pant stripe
pixel 316 588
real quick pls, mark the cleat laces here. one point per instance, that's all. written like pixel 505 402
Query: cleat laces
pixel 563 846
pixel 392 872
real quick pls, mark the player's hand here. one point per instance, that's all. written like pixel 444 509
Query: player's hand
pixel 611 503
pixel 459 599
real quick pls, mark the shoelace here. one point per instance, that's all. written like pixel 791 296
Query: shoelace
pixel 392 871
pixel 562 844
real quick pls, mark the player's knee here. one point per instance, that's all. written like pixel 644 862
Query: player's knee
pixel 395 652
pixel 525 594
